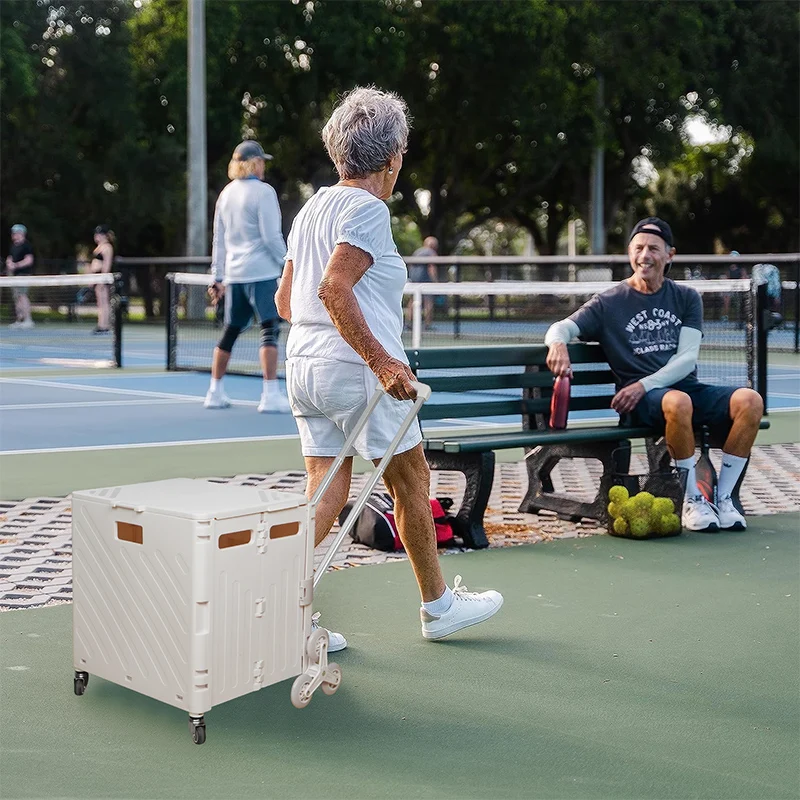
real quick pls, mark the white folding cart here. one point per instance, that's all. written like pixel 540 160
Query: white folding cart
pixel 196 593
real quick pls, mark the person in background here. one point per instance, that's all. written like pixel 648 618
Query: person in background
pixel 20 262
pixel 735 272
pixel 246 262
pixel 650 328
pixel 102 261
pixel 342 292
pixel 423 273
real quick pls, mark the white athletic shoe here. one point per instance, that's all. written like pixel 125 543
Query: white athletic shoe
pixel 700 515
pixel 275 402
pixel 730 519
pixel 216 399
pixel 468 608
pixel 15 325
pixel 26 325
pixel 336 641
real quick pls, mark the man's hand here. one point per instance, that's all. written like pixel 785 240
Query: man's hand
pixel 627 399
pixel 9 265
pixel 216 291
pixel 396 378
pixel 558 359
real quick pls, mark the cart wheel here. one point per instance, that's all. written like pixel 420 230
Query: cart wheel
pixel 333 678
pixel 197 727
pixel 314 644
pixel 300 695
pixel 81 682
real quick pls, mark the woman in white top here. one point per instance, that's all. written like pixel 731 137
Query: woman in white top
pixel 342 291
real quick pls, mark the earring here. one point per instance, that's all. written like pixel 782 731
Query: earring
pixel 391 170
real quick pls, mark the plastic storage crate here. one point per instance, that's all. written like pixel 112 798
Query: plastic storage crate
pixel 195 593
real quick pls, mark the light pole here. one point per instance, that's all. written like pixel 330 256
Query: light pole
pixel 196 172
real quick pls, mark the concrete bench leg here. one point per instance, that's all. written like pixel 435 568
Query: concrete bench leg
pixel 540 462
pixel 478 469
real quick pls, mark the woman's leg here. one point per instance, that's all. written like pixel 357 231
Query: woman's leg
pixel 408 480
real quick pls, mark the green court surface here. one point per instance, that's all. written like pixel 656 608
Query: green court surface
pixel 616 669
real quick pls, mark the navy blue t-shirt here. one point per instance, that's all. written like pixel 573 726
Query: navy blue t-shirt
pixel 639 332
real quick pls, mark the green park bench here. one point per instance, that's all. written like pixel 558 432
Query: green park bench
pixel 481 375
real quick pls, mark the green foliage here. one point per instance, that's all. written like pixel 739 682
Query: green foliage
pixel 502 94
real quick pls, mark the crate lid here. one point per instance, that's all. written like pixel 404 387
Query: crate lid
pixel 194 498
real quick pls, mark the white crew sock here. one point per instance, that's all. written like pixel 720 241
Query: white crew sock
pixel 216 385
pixel 438 607
pixel 732 467
pixel 692 489
pixel 271 387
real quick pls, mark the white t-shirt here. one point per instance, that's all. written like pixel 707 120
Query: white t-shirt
pixel 335 215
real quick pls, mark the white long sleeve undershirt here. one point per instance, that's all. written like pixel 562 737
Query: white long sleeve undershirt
pixel 677 368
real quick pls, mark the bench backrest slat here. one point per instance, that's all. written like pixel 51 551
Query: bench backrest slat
pixel 496 356
pixel 512 380
pixel 505 408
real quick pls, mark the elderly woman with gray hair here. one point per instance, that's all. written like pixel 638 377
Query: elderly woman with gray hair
pixel 342 291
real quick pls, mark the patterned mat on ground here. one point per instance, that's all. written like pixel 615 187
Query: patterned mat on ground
pixel 36 539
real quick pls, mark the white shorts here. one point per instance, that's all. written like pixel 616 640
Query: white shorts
pixel 327 399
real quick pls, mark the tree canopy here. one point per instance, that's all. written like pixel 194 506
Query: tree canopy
pixel 504 97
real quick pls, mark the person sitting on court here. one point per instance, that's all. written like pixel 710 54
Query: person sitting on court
pixel 342 292
pixel 246 261
pixel 650 328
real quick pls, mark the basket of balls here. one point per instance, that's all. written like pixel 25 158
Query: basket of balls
pixel 646 506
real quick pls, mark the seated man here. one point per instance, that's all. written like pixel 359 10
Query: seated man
pixel 650 329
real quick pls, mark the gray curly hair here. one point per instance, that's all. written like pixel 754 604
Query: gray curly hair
pixel 365 130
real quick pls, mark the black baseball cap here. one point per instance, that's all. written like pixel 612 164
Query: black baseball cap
pixel 655 226
pixel 248 150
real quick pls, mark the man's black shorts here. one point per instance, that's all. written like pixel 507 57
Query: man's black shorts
pixel 711 406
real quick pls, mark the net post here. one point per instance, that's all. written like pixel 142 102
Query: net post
pixel 171 305
pixel 762 326
pixel 797 307
pixel 116 305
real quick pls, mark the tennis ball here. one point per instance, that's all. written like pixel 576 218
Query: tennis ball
pixel 639 528
pixel 654 521
pixel 663 505
pixel 614 510
pixel 620 526
pixel 672 523
pixel 643 501
pixel 628 509
pixel 618 494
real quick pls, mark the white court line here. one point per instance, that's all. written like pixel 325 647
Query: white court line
pixel 99 389
pixel 140 445
pixel 92 404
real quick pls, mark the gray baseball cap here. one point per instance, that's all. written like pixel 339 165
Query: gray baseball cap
pixel 248 150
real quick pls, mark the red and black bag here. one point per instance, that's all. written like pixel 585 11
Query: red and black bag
pixel 376 525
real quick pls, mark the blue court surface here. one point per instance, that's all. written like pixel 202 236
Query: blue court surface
pixel 53 407
pixel 112 408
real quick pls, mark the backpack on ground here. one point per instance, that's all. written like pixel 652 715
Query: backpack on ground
pixel 376 526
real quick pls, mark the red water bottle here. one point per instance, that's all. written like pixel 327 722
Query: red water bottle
pixel 559 402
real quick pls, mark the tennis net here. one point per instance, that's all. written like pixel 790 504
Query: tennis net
pixel 482 314
pixel 62 328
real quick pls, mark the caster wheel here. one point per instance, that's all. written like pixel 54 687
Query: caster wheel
pixel 81 682
pixel 314 644
pixel 197 727
pixel 300 694
pixel 333 679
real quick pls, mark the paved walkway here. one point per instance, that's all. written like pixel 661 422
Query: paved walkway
pixel 36 538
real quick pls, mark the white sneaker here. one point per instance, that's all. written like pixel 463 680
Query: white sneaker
pixel 730 519
pixel 275 402
pixel 216 399
pixel 468 608
pixel 700 515
pixel 336 641
pixel 15 325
